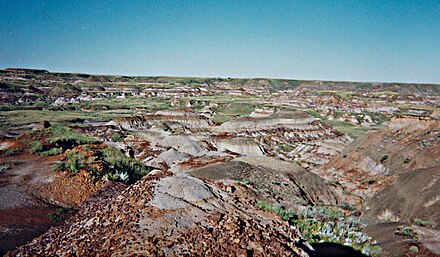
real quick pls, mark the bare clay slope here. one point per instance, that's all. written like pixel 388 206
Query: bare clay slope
pixel 273 180
pixel 415 194
pixel 374 161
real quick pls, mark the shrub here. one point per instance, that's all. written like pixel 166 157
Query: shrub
pixel 12 151
pixel 76 161
pixel 35 147
pixel 406 160
pixel 407 232
pixel 347 206
pixel 58 140
pixel 285 148
pixel 121 164
pixel 316 114
pixel 384 158
pixel 285 214
pixel 117 137
pixel 319 224
pixel 52 151
pixel 421 223
pixel 414 249
pixel 331 182
pixel 243 182
pixel 63 134
pixel 109 163
pixel 54 217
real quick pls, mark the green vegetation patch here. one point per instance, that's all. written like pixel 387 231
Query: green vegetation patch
pixel 11 151
pixel 348 128
pixel 108 163
pixel 319 224
pixel 408 232
pixel 56 140
pixel 237 108
pixel 127 169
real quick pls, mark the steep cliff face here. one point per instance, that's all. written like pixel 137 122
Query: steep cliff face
pixel 169 215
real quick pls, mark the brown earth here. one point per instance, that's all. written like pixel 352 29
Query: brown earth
pixel 34 197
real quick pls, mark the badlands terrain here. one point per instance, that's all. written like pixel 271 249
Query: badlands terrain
pixel 95 165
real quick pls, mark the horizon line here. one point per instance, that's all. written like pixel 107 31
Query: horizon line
pixel 228 77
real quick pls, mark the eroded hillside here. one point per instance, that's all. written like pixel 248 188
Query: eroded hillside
pixel 168 166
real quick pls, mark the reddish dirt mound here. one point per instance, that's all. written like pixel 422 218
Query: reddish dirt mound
pixel 164 215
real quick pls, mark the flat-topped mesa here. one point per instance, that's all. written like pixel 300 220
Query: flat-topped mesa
pixel 25 71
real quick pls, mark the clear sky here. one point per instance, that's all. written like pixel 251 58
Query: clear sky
pixel 383 40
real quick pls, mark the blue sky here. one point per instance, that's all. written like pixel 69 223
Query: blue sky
pixel 327 40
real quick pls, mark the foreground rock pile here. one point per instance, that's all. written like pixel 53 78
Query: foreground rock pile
pixel 165 215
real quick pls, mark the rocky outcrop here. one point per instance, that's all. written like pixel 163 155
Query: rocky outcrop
pixel 145 122
pixel 164 215
pixel 243 146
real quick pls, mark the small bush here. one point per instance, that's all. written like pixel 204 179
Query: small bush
pixel 54 217
pixel 76 161
pixel 117 137
pixel 407 232
pixel 243 182
pixel 35 147
pixel 384 158
pixel 331 182
pixel 63 134
pixel 316 114
pixel 109 163
pixel 348 206
pixel 421 223
pixel 120 163
pixel 12 151
pixel 414 249
pixel 285 148
pixel 52 151
pixel 406 160
pixel 59 139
